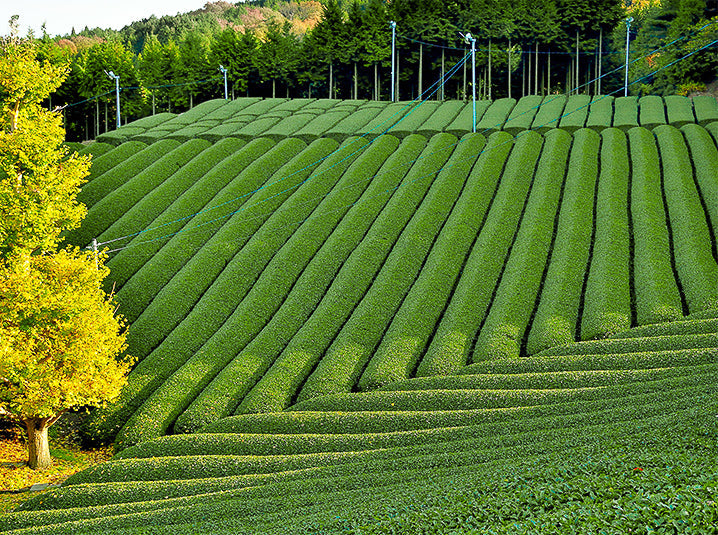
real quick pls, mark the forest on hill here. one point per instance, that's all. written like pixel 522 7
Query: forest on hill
pixel 342 49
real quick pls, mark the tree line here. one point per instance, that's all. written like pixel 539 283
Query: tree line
pixel 342 49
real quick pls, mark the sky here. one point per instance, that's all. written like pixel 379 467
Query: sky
pixel 61 16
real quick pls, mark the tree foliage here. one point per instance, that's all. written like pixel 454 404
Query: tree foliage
pixel 59 336
pixel 38 184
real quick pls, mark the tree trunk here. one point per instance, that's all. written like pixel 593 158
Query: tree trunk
pixel 600 59
pixel 274 87
pixel 376 80
pixel 356 81
pixel 191 101
pixel 331 79
pixel 577 64
pixel 443 74
pixel 38 445
pixel 536 70
pixel 508 76
pixel 421 71
pixel 153 103
pixel 548 73
pixel 396 91
pixel 488 83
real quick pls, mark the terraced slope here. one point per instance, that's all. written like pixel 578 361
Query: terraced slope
pixel 420 443
pixel 247 118
pixel 321 317
pixel 327 268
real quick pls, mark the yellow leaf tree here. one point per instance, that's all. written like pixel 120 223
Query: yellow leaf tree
pixel 60 339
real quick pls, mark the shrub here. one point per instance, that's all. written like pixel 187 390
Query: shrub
pixel 279 385
pixel 138 183
pixel 256 128
pixel 502 333
pixel 657 297
pixel 454 336
pixel 704 158
pixel 223 325
pixel 607 299
pixel 575 114
pixel 679 110
pixel 635 345
pixel 228 129
pixel 109 159
pixel 522 116
pixel 232 158
pixel 600 113
pixel 549 113
pixel 557 312
pixel 495 116
pixel 337 235
pixel 692 245
pixel 137 221
pixel 351 124
pixel 288 127
pixel 705 108
pixel 464 121
pixel 687 326
pixel 440 120
pixel 413 119
pixel 651 111
pixel 389 115
pixel 413 324
pixel 319 125
pixel 625 114
pixel 120 173
pixel 343 362
pixel 96 149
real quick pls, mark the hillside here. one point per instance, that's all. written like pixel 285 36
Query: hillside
pixel 356 313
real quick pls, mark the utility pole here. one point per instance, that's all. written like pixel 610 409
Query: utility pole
pixel 393 61
pixel 629 20
pixel 224 72
pixel 111 75
pixel 468 38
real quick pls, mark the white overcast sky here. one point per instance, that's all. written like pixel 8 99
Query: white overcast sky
pixel 61 16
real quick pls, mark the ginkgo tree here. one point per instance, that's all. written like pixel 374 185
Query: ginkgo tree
pixel 61 342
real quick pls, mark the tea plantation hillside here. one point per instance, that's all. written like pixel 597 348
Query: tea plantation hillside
pixel 361 317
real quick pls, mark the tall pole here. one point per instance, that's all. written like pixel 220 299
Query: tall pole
pixel 629 20
pixel 224 72
pixel 468 38
pixel 112 75
pixel 393 61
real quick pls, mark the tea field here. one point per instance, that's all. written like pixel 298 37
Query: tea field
pixel 362 317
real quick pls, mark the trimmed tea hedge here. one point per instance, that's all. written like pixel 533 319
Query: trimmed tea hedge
pixel 575 114
pixel 600 113
pixel 109 159
pixel 133 162
pixel 279 385
pixel 679 110
pixel 657 296
pixel 625 114
pixel 705 108
pixel 692 244
pixel 557 314
pixel 327 239
pixel 414 323
pixel 495 116
pixel 463 123
pixel 453 341
pixel 522 115
pixel 704 158
pixel 138 184
pixel 502 333
pixel 549 113
pixel 651 111
pixel 607 299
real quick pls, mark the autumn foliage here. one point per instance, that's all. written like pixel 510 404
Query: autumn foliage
pixel 59 336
